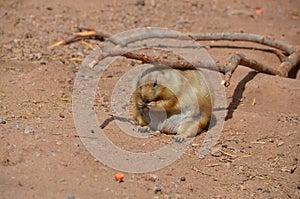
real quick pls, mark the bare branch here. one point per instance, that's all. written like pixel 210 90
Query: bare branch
pixel 227 69
pixel 165 60
pixel 287 63
pixel 84 33
pixel 244 37
pixel 290 63
pixel 148 33
pixel 240 59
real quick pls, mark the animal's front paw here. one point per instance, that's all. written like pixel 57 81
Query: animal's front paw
pixel 144 129
pixel 151 105
pixel 178 138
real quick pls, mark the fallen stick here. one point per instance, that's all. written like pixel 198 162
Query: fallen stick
pixel 286 66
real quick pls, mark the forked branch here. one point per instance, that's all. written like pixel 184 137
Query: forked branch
pixel 287 64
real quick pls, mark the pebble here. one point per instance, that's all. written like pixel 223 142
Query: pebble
pixel 132 63
pixel 62 180
pixel 70 197
pixel 64 164
pixel 152 177
pixel 152 3
pixel 157 189
pixel 182 179
pixel 182 21
pixel 2 121
pixel 168 197
pixel 216 154
pixel 280 143
pixel 29 129
pixel 140 3
pixel 178 196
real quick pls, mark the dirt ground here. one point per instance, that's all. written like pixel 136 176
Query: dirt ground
pixel 41 154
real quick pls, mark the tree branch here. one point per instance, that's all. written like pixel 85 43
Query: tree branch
pixel 287 63
pixel 245 37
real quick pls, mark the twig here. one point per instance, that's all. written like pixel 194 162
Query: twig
pixel 199 171
pixel 83 34
pixel 240 59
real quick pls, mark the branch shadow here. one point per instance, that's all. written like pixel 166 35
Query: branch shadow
pixel 114 117
pixel 294 71
pixel 238 94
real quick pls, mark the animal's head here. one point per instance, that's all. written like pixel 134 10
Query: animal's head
pixel 150 85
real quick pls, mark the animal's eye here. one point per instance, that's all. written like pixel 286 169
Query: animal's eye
pixel 155 83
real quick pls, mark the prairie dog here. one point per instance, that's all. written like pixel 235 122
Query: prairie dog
pixel 172 101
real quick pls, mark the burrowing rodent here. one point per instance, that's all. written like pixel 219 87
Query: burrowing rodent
pixel 172 101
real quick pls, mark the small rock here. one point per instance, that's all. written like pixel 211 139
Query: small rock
pixel 178 196
pixel 168 197
pixel 62 180
pixel 2 121
pixel 271 140
pixel 53 153
pixel 298 187
pixel 280 154
pixel 140 3
pixel 61 115
pixel 182 179
pixel 132 63
pixel 37 154
pixel 29 129
pixel 64 164
pixel 266 191
pixel 294 168
pixel 152 3
pixel 157 189
pixel 38 56
pixel 70 197
pixel 17 127
pixel 182 21
pixel 280 143
pixel 152 177
pixel 217 154
pixel 242 187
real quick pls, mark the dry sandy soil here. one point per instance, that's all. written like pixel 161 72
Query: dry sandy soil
pixel 41 154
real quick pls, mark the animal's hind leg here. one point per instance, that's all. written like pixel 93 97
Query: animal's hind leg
pixel 190 128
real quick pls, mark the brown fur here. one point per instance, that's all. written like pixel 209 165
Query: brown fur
pixel 172 101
